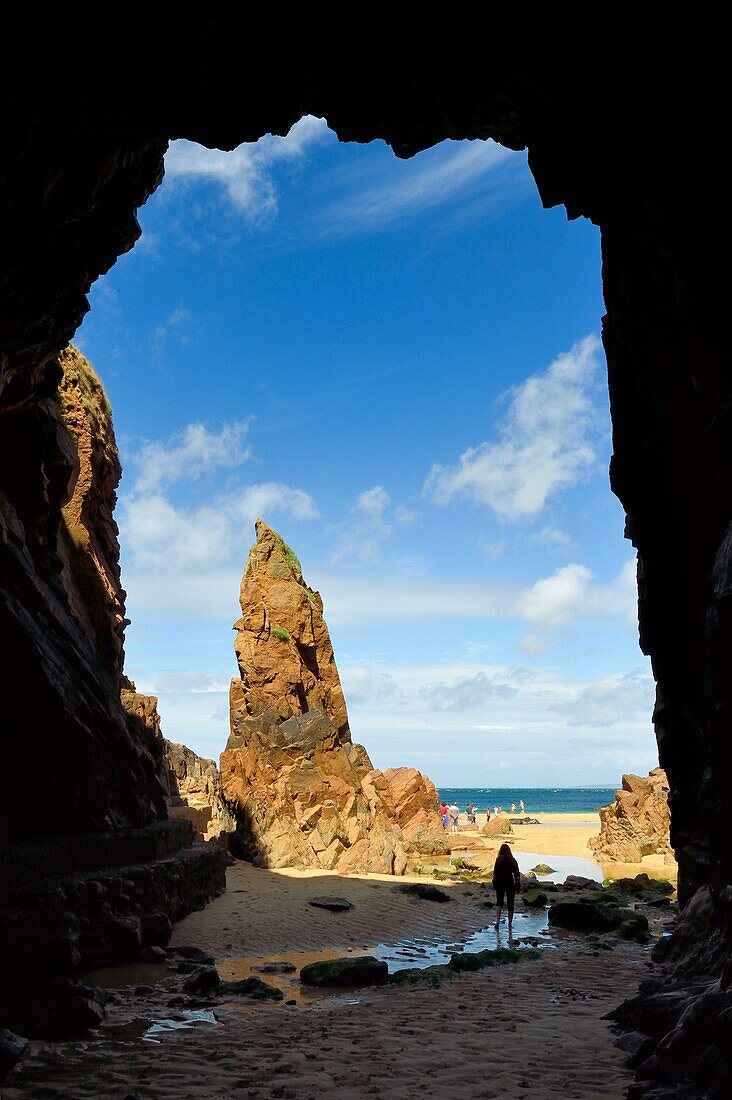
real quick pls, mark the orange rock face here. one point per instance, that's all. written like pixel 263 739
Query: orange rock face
pixel 192 785
pixel 88 538
pixel 283 648
pixel 416 810
pixel 637 823
pixel 306 795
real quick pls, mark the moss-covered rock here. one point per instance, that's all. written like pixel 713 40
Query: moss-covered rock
pixel 584 915
pixel 634 926
pixel 535 899
pixel 253 988
pixel 349 973
pixel 460 964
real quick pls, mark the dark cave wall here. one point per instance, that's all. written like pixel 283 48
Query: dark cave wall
pixel 603 130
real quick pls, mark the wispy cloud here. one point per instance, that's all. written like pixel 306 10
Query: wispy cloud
pixel 610 700
pixel 431 179
pixel 546 442
pixel 361 537
pixel 245 173
pixel 378 598
pixel 487 720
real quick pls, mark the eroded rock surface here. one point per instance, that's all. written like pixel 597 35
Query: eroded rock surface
pixel 192 784
pixel 307 796
pixel 66 620
pixel 195 792
pixel 416 810
pixel 283 648
pixel 637 823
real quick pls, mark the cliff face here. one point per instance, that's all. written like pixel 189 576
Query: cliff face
pixel 307 796
pixel 62 620
pixel 637 823
pixel 88 542
pixel 195 792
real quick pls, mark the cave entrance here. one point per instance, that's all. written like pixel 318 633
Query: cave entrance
pixel 609 152
pixel 426 419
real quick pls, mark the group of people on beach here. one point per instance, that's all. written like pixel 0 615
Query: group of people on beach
pixel 500 810
pixel 451 814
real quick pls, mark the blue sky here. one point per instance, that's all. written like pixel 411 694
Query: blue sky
pixel 397 364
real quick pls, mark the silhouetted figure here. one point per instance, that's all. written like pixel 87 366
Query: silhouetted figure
pixel 506 881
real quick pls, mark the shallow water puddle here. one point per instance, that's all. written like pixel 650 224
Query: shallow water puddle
pixel 420 952
pixel 187 1018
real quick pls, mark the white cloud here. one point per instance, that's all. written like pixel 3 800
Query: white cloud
pixel 546 442
pixel 570 594
pixel 191 453
pixel 245 173
pixel 373 502
pixel 163 536
pixel 556 599
pixel 362 684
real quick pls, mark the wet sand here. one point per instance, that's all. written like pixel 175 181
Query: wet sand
pixel 530 1029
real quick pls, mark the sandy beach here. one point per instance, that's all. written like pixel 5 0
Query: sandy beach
pixel 566 835
pixel 516 1031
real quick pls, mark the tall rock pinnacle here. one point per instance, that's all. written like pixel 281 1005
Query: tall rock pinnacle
pixel 282 646
pixel 306 795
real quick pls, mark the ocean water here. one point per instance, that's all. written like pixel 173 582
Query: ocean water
pixel 547 800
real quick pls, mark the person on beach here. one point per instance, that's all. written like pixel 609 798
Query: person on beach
pixel 506 881
pixel 496 811
pixel 487 814
pixel 513 807
pixel 454 813
pixel 444 814
pixel 521 805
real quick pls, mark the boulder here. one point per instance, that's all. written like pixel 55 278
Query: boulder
pixel 535 899
pixel 305 794
pixel 349 973
pixel 54 1009
pixel 126 937
pixel 497 826
pixel 12 1049
pixel 253 988
pixel 335 905
pixel 634 926
pixel 202 980
pixel 585 916
pixel 424 890
pixel 579 882
pixel 637 823
pixel 543 869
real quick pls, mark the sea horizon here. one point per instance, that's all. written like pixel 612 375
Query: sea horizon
pixel 536 799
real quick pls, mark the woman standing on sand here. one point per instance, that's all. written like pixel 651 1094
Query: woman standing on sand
pixel 506 881
pixel 443 814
